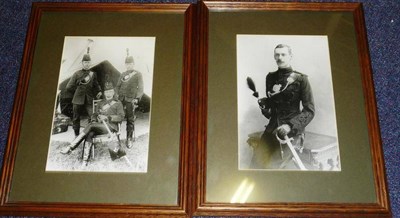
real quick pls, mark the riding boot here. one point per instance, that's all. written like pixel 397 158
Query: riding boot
pixel 73 144
pixel 86 153
pixel 76 131
pixel 129 140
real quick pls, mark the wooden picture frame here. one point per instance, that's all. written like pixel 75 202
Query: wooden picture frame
pixel 182 15
pixel 202 174
pixel 215 151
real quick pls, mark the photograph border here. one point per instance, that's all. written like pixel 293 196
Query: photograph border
pixel 140 162
pixel 99 209
pixel 316 67
pixel 203 208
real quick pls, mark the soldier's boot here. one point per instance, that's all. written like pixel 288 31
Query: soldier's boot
pixel 68 149
pixel 86 153
pixel 129 140
pixel 129 143
pixel 76 131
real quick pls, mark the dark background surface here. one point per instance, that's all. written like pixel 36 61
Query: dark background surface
pixel 383 30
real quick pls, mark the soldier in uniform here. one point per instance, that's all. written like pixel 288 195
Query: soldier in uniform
pixel 85 86
pixel 129 91
pixel 285 90
pixel 109 110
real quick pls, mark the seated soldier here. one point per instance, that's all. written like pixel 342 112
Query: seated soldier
pixel 109 110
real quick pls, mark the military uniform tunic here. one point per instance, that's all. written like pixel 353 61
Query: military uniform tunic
pixel 285 106
pixel 113 109
pixel 129 87
pixel 290 102
pixel 85 86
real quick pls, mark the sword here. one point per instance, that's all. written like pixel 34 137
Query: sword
pixel 287 141
pixel 111 135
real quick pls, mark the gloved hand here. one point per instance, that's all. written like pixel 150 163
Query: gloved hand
pixel 266 112
pixel 265 106
pixel 283 130
pixel 102 117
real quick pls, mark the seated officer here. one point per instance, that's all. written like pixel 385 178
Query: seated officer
pixel 109 110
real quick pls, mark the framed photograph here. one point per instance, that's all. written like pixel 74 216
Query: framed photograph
pixel 129 124
pixel 287 119
pixel 305 104
pixel 100 122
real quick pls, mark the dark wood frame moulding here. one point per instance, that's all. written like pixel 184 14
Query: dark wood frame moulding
pixel 204 208
pixel 86 209
pixel 193 138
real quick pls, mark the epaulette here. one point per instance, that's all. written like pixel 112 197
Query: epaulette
pixel 136 72
pixel 273 72
pixel 301 74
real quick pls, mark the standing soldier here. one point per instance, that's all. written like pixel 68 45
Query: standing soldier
pixel 129 91
pixel 290 108
pixel 85 87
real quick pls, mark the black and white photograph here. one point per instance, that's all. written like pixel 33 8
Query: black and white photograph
pixel 286 107
pixel 103 104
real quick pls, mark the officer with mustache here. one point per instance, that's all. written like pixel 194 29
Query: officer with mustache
pixel 287 90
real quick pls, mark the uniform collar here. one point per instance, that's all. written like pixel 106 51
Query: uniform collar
pixel 284 71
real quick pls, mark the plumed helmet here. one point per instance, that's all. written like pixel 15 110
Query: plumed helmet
pixel 108 86
pixel 86 57
pixel 128 59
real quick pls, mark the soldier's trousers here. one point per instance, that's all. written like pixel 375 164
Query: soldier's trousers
pixel 77 112
pixel 92 130
pixel 130 118
pixel 267 154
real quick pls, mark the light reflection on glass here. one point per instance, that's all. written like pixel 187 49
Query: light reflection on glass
pixel 243 192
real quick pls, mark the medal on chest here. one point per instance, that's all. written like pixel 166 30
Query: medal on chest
pixel 86 79
pixel 277 88
pixel 127 77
